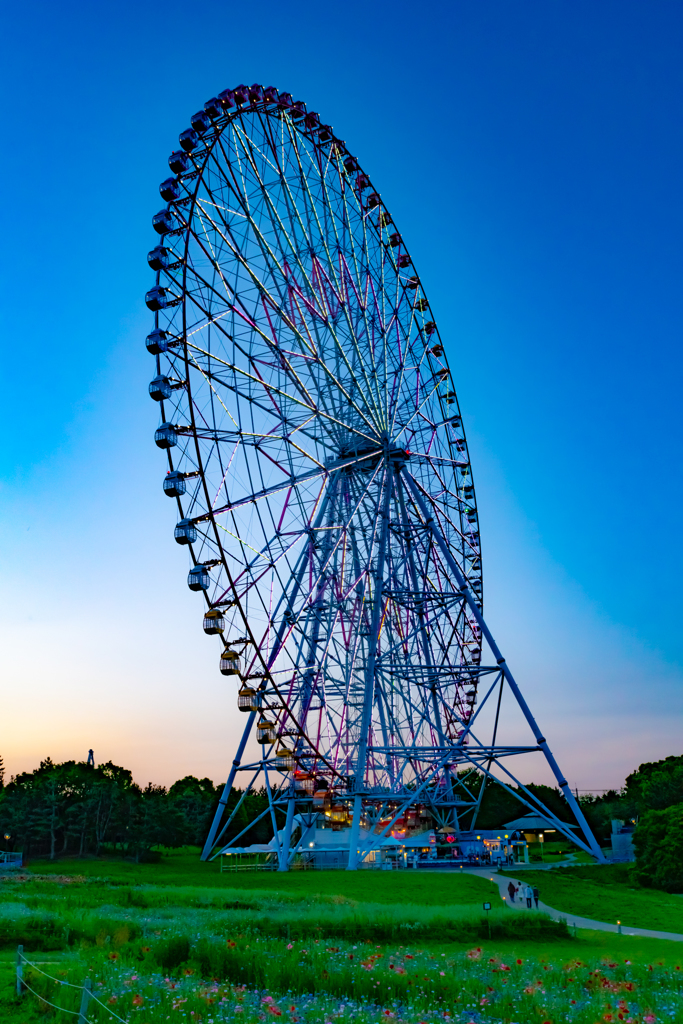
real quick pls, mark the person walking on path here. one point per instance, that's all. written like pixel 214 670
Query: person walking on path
pixel 529 894
pixel 536 895
pixel 512 890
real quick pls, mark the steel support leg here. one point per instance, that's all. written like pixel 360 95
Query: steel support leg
pixel 474 608
pixel 368 695
pixel 225 796
pixel 283 852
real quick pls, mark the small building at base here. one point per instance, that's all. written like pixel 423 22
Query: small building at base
pixel 329 848
pixel 621 838
pixel 489 846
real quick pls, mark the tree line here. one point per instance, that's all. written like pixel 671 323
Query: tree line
pixel 652 798
pixel 75 808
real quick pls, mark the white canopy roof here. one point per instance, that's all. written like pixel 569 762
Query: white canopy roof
pixel 420 841
pixel 534 821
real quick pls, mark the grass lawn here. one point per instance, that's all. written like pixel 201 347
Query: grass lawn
pixel 179 941
pixel 184 868
pixel 426 889
pixel 606 894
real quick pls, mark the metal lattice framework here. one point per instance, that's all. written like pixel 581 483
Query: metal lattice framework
pixel 319 463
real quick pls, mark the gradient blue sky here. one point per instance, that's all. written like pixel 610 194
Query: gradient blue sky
pixel 531 155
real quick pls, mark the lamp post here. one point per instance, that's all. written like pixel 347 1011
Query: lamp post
pixel 487 907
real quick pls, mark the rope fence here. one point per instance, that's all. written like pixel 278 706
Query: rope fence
pixel 47 1001
pixel 87 995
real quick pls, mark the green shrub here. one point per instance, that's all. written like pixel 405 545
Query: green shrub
pixel 172 952
pixel 658 842
pixel 35 931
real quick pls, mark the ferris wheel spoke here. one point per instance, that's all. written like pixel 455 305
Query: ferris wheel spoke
pixel 279 309
pixel 401 383
pixel 261 289
pixel 324 566
pixel 446 523
pixel 339 353
pixel 277 220
pixel 321 234
pixel 223 231
pixel 420 406
pixel 324 364
pixel 292 248
pixel 272 390
pixel 313 474
pixel 289 592
pixel 257 280
pixel 362 309
pixel 342 531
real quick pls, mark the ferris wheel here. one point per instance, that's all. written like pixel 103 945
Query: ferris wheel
pixel 318 460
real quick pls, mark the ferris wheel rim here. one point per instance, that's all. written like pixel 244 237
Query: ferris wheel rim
pixel 333 141
pixel 194 429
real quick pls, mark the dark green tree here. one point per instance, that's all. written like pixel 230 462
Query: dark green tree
pixel 153 821
pixel 658 842
pixel 110 789
pixel 196 800
pixel 657 784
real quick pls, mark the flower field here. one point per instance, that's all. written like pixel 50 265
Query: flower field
pixel 365 984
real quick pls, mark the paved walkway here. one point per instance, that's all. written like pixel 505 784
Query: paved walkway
pixel 559 915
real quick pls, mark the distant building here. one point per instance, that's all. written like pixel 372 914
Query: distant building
pixel 326 847
pixel 622 842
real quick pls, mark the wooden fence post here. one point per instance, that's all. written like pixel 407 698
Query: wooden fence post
pixel 85 1000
